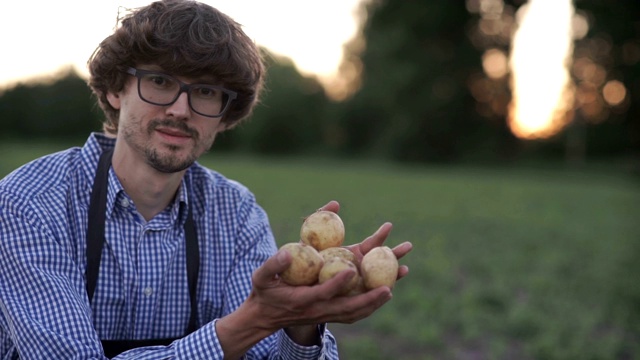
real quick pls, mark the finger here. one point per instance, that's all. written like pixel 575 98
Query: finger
pixel 376 239
pixel 354 308
pixel 332 206
pixel 265 275
pixel 327 290
pixel 402 249
pixel 403 271
pixel 339 283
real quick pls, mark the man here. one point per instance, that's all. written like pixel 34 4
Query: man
pixel 128 248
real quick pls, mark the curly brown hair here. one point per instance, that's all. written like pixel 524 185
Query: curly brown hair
pixel 184 38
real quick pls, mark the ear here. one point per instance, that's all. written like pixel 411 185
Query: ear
pixel 114 100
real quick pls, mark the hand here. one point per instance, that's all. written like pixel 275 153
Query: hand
pixel 274 305
pixel 284 305
pixel 375 240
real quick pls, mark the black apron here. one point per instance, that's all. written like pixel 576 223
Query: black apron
pixel 95 241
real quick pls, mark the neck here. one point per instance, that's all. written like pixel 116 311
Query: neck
pixel 151 190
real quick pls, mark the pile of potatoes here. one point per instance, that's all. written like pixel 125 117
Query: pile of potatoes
pixel 319 256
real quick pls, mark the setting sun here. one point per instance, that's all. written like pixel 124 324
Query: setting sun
pixel 540 58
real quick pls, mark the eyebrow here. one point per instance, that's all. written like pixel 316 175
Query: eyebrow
pixel 203 79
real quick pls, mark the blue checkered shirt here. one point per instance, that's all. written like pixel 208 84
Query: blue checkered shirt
pixel 142 288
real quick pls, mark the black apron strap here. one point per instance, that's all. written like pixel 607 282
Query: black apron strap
pixel 95 227
pixel 95 242
pixel 193 267
pixel 113 348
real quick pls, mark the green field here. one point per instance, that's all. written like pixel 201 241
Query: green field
pixel 508 263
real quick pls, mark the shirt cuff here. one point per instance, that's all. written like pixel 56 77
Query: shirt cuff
pixel 200 344
pixel 291 350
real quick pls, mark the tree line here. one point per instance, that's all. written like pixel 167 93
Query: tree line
pixel 412 102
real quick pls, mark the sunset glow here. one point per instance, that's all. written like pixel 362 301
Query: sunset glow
pixel 540 59
pixel 295 29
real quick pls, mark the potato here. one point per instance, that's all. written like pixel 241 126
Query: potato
pixel 340 252
pixel 305 265
pixel 335 265
pixel 379 267
pixel 322 229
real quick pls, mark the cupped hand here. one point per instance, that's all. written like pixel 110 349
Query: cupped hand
pixel 376 239
pixel 284 305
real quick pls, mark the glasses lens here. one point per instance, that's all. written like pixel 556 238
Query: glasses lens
pixel 158 89
pixel 208 100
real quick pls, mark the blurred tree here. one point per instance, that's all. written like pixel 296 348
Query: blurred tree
pixel 289 118
pixel 611 51
pixel 413 103
pixel 604 70
pixel 14 107
pixel 62 108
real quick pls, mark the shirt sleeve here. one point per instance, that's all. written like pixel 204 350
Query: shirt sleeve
pixel 326 351
pixel 43 303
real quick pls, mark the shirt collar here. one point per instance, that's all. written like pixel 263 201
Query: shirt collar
pixel 90 154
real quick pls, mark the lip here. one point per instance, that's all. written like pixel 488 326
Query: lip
pixel 173 135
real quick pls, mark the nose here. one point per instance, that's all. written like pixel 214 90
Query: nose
pixel 180 108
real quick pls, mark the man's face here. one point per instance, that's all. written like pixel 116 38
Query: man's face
pixel 168 138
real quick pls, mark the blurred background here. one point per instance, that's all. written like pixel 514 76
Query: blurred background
pixel 501 137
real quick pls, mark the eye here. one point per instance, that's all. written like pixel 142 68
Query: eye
pixel 160 81
pixel 206 92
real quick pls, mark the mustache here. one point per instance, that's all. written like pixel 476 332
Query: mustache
pixel 178 125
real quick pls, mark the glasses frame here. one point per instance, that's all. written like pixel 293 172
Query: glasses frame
pixel 184 87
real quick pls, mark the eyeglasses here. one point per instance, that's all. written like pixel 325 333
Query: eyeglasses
pixel 161 89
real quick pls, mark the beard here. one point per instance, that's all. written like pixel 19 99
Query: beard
pixel 168 164
pixel 166 159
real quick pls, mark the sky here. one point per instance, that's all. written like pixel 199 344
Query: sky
pixel 39 39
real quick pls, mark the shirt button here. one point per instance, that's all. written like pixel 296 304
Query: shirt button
pixel 148 291
pixel 124 202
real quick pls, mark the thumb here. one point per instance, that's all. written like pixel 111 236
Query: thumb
pixel 265 275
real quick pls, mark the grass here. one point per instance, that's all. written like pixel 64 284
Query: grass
pixel 507 263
